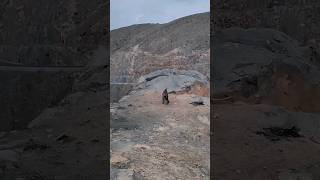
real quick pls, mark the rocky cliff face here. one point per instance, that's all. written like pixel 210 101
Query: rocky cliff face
pixel 140 49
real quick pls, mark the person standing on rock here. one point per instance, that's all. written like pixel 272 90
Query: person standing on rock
pixel 165 97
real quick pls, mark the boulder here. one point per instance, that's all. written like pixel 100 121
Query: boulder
pixel 172 79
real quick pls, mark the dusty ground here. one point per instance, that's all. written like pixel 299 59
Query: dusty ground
pixel 239 153
pixel 150 140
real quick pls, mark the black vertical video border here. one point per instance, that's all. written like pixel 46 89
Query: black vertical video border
pixel 212 12
pixel 108 92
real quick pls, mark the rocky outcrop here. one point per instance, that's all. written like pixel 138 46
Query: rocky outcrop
pixel 173 80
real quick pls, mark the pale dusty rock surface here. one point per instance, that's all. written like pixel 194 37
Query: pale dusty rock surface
pixel 173 80
pixel 161 141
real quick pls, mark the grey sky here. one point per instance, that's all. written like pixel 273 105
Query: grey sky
pixel 128 12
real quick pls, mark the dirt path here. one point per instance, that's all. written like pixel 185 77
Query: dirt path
pixel 150 140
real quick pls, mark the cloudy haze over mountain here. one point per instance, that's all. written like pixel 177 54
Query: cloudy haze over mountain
pixel 128 12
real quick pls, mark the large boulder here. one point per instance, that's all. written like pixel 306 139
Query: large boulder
pixel 175 80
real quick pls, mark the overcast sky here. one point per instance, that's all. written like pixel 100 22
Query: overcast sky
pixel 128 12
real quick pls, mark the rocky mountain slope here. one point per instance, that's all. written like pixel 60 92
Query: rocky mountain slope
pixel 140 49
pixel 150 140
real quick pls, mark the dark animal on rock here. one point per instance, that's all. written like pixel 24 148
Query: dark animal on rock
pixel 165 97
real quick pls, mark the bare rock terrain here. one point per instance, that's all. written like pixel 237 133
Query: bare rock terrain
pixel 150 140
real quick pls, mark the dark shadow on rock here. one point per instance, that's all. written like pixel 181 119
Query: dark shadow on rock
pixel 277 133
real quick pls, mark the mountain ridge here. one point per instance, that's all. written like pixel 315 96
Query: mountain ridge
pixel 140 49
